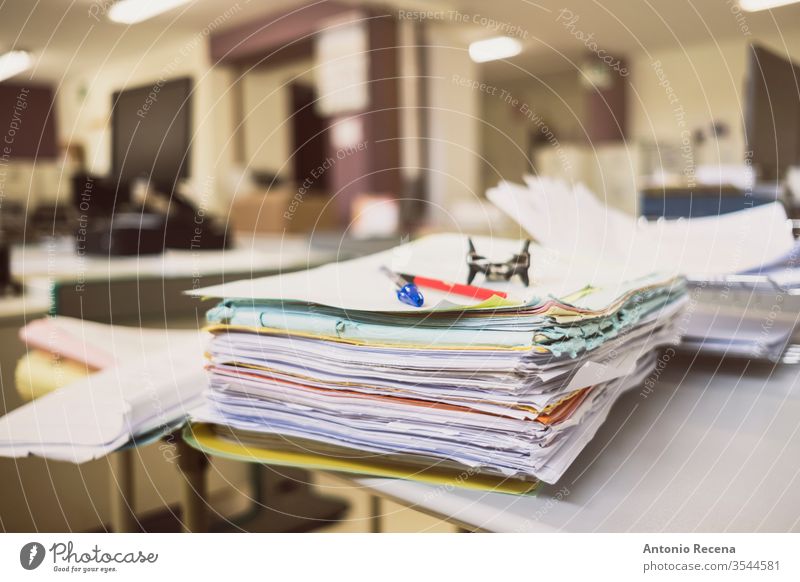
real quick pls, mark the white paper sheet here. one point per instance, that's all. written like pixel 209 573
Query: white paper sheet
pixel 160 378
pixel 358 285
pixel 572 220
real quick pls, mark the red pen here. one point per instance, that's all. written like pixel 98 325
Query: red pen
pixel 457 288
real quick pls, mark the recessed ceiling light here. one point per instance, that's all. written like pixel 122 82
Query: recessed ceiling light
pixel 133 11
pixel 13 63
pixel 756 5
pixel 491 49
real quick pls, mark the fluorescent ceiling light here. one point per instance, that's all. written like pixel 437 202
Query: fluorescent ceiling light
pixel 756 5
pixel 133 11
pixel 491 49
pixel 13 63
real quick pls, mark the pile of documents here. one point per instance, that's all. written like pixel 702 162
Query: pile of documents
pixel 744 284
pixel 750 314
pixel 328 361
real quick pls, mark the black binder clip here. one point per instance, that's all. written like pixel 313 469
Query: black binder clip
pixel 517 265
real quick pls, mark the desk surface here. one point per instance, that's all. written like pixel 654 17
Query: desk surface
pixel 147 286
pixel 16 311
pixel 716 448
pixel 59 262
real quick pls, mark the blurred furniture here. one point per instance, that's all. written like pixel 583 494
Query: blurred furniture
pixel 283 209
pixel 771 113
pixel 348 44
pixel 150 288
pixel 143 291
pixel 693 202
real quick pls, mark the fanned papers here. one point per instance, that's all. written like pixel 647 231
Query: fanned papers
pixel 737 263
pixel 149 382
pixel 571 219
pixel 512 388
pixel 231 443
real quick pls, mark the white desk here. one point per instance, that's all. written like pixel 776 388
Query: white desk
pixel 57 260
pixel 709 450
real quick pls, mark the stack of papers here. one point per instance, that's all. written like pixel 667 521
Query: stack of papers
pixel 330 361
pixel 745 284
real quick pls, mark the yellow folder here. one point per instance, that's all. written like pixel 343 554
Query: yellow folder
pixel 203 437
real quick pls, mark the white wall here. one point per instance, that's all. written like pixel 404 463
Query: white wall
pixel 555 98
pixel 84 109
pixel 707 80
pixel 267 106
pixel 453 125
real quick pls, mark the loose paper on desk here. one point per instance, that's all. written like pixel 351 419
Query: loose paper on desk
pixel 157 380
pixel 358 285
pixel 573 220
